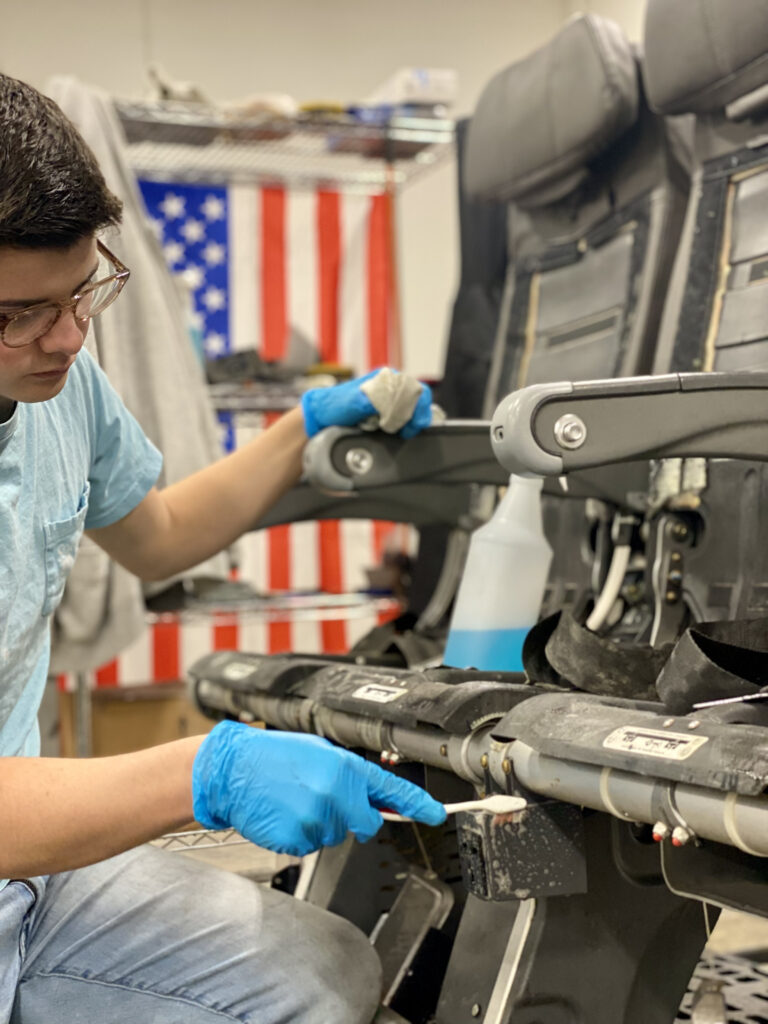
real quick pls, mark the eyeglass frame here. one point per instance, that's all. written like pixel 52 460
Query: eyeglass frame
pixel 121 276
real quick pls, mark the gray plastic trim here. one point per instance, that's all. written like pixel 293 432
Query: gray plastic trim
pixel 512 437
pixel 317 460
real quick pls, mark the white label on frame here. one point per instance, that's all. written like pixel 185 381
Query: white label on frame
pixel 378 693
pixel 672 746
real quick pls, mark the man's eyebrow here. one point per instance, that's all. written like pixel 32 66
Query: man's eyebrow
pixel 16 304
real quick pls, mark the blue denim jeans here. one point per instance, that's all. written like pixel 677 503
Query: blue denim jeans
pixel 154 938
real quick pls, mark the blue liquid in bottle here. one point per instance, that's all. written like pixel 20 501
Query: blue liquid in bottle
pixel 500 650
pixel 500 593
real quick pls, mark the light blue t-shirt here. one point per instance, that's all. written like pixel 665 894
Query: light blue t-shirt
pixel 78 461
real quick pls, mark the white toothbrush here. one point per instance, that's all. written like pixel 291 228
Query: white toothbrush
pixel 497 804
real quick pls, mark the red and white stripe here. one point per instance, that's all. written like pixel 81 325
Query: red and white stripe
pixel 320 264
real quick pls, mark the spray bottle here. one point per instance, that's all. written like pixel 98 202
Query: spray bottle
pixel 502 588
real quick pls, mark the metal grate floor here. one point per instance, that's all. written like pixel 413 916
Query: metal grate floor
pixel 743 984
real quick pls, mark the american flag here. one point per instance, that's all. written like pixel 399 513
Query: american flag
pixel 263 264
pixel 192 225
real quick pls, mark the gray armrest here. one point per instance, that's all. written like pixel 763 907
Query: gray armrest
pixel 346 459
pixel 430 479
pixel 416 503
pixel 556 429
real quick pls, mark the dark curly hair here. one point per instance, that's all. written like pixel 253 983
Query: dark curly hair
pixel 52 192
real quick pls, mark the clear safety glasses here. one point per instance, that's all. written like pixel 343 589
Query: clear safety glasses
pixel 22 328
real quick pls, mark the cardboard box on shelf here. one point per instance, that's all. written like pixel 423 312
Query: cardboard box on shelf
pixel 132 718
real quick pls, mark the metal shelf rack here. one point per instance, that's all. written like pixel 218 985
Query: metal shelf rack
pixel 199 144
pixel 255 396
pixel 198 839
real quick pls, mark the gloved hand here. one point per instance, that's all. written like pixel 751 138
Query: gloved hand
pixel 293 793
pixel 400 403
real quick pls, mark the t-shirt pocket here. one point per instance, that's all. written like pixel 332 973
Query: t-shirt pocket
pixel 61 543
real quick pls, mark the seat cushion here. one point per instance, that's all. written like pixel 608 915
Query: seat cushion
pixel 700 55
pixel 541 121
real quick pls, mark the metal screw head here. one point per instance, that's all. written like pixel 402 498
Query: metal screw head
pixel 570 431
pixel 476 1010
pixel 444 750
pixel 506 766
pixel 359 461
pixel 694 724
pixel 484 761
pixel 668 722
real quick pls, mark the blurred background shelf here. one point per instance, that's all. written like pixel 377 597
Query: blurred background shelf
pixel 172 140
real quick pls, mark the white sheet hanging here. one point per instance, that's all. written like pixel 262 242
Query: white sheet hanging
pixel 142 344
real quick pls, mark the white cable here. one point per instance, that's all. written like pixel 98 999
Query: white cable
pixel 612 587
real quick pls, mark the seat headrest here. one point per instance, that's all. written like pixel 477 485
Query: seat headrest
pixel 540 122
pixel 700 55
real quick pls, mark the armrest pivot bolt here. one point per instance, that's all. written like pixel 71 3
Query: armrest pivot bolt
pixel 359 461
pixel 570 431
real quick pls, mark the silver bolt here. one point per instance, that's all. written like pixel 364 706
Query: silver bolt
pixel 668 722
pixel 359 461
pixel 694 724
pixel 476 1010
pixel 570 431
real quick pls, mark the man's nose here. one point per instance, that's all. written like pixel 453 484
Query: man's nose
pixel 65 336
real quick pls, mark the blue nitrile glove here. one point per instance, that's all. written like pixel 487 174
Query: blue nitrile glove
pixel 293 793
pixel 399 402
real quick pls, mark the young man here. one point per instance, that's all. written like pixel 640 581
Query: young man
pixel 143 936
